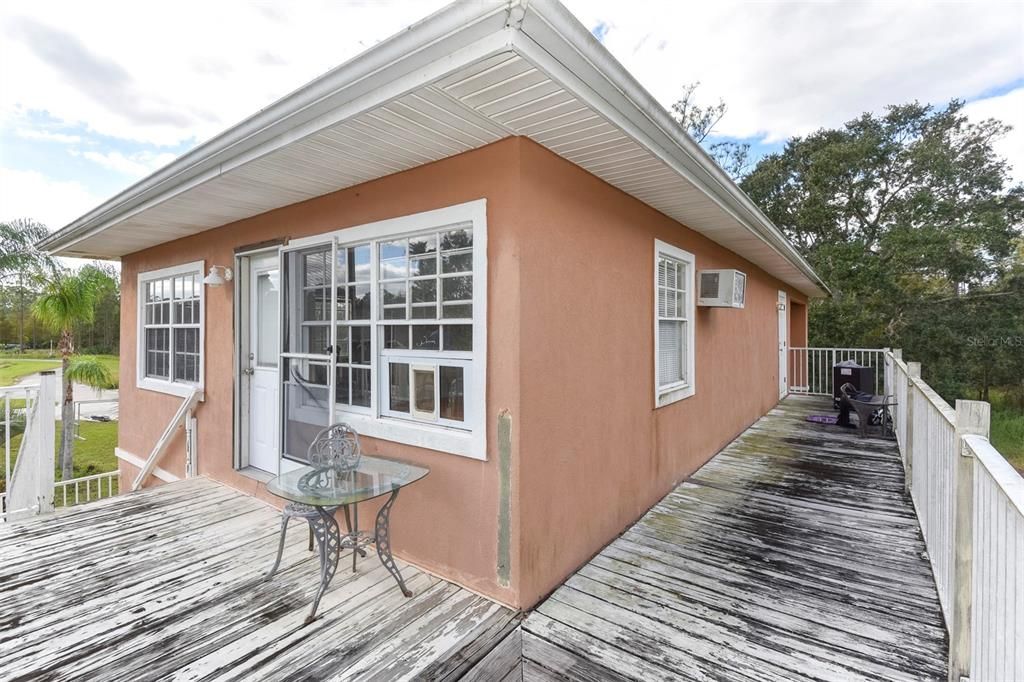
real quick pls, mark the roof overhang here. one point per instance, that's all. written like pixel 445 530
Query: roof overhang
pixel 466 76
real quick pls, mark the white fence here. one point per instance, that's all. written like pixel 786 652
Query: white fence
pixel 29 485
pixel 86 488
pixel 970 503
pixel 997 596
pixel 810 369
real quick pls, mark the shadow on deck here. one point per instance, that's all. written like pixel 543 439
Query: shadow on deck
pixel 793 554
pixel 168 583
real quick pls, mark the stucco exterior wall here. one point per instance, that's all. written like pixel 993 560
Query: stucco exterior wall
pixel 595 452
pixel 570 366
pixel 446 523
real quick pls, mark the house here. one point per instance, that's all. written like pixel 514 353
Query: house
pixel 479 243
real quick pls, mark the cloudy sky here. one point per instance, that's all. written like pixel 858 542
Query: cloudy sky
pixel 94 96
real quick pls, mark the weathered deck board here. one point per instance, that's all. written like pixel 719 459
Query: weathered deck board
pixel 793 555
pixel 168 583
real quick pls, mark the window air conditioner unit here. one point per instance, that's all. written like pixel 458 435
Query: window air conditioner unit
pixel 722 288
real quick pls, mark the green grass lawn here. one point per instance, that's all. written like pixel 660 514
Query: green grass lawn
pixel 15 367
pixel 94 455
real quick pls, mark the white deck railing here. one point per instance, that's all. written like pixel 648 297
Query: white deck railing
pixel 970 503
pixel 31 474
pixel 810 369
pixel 15 400
pixel 997 595
pixel 86 488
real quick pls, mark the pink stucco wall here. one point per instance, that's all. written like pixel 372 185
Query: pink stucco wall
pixel 595 452
pixel 447 522
pixel 570 365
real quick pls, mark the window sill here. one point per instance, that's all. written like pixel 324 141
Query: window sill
pixel 440 438
pixel 673 394
pixel 168 387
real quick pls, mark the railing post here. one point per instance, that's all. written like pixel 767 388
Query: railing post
pixel 972 418
pixel 897 354
pixel 913 372
pixel 47 437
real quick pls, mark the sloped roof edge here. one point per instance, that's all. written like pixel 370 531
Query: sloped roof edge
pixel 542 31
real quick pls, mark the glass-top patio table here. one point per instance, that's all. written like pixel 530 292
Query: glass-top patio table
pixel 315 494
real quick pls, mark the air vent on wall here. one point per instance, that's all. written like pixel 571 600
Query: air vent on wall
pixel 722 288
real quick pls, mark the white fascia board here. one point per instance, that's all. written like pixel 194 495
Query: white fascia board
pixel 454 36
pixel 542 31
pixel 554 40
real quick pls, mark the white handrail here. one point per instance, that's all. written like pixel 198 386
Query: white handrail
pixel 30 483
pixel 180 418
pixel 112 479
pixel 810 368
pixel 970 504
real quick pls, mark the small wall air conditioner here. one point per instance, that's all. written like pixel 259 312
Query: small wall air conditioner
pixel 722 288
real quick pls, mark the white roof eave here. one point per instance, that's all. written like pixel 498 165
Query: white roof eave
pixel 542 31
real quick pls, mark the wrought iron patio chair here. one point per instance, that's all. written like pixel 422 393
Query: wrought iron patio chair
pixel 335 450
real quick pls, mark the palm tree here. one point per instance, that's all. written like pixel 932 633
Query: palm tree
pixel 68 299
pixel 19 258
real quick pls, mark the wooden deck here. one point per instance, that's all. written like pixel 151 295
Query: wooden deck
pixel 168 584
pixel 793 554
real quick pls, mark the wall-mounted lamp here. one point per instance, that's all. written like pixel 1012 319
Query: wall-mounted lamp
pixel 219 274
pixel 778 306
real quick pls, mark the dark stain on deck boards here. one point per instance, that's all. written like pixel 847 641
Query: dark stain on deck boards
pixel 794 554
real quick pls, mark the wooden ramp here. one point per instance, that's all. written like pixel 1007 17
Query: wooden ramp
pixel 168 583
pixel 793 555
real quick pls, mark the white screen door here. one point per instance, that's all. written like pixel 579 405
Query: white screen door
pixel 783 346
pixel 264 348
pixel 310 281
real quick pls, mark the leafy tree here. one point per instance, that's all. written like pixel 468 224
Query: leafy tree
pixel 911 219
pixel 21 261
pixel 101 334
pixel 700 121
pixel 68 299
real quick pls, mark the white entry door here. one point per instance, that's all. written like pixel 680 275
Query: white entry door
pixel 264 342
pixel 783 346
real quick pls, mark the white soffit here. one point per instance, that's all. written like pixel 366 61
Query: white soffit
pixel 476 73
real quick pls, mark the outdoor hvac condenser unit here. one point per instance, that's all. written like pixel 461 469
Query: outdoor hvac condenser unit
pixel 722 288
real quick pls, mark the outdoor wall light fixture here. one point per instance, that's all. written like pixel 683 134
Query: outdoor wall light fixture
pixel 219 274
pixel 778 306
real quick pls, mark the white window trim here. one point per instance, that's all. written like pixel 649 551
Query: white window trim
pixel 159 385
pixel 666 395
pixel 472 440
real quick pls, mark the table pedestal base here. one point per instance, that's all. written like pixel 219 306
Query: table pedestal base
pixel 330 541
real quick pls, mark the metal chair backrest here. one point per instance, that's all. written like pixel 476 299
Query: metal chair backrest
pixel 336 447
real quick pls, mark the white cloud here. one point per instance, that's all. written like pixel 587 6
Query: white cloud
pixel 789 68
pixel 166 73
pixel 163 74
pixel 30 194
pixel 1008 108
pixel 133 165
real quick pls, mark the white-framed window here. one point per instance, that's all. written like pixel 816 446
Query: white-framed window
pixel 170 329
pixel 384 328
pixel 674 296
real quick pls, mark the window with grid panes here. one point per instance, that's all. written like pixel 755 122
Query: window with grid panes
pixel 171 317
pixel 425 324
pixel 674 324
pixel 353 369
